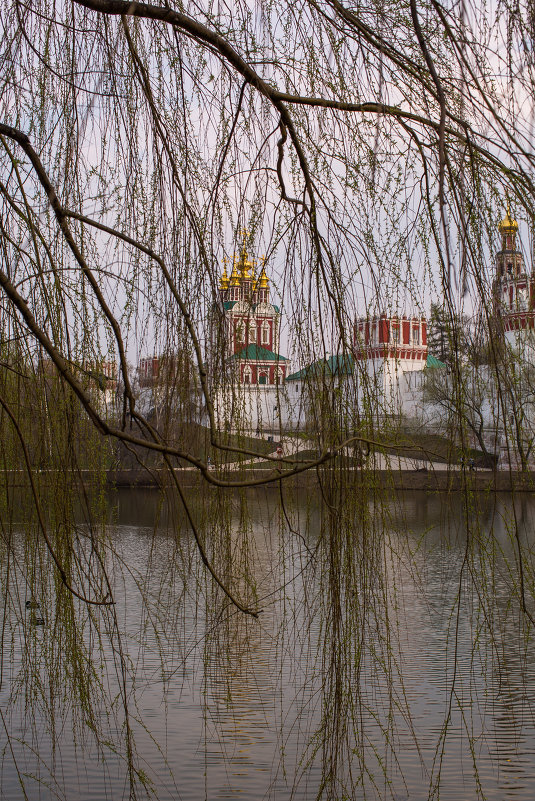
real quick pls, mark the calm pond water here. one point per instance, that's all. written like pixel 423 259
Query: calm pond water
pixel 391 659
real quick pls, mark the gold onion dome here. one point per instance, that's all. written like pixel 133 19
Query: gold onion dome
pixel 508 225
pixel 234 277
pixel 224 278
pixel 263 280
pixel 246 267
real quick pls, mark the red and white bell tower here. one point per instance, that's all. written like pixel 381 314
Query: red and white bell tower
pixel 402 340
pixel 514 289
pixel 388 348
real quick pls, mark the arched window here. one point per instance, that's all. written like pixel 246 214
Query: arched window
pixel 240 333
pixel 247 373
pixel 265 332
pixel 263 377
pixel 522 299
pixel 279 375
pixel 252 331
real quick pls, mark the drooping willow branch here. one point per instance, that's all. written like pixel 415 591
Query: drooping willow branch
pixel 67 374
pixel 42 526
pixel 461 130
pixel 63 365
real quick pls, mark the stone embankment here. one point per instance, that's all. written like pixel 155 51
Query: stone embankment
pixel 431 480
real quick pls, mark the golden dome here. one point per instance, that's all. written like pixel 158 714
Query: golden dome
pixel 246 271
pixel 224 284
pixel 246 267
pixel 508 225
pixel 234 277
pixel 263 280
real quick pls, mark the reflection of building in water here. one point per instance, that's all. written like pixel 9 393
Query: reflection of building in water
pixel 242 662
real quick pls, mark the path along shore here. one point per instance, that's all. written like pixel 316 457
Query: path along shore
pixel 389 472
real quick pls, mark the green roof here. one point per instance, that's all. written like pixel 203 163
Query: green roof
pixel 433 362
pixel 343 364
pixel 339 364
pixel 254 353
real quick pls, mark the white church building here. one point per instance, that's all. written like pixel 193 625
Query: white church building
pixel 246 370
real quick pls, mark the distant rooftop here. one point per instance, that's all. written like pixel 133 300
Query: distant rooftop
pixel 335 365
pixel 433 362
pixel 254 353
pixel 343 364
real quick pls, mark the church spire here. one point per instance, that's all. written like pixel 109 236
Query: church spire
pixel 246 266
pixel 224 282
pixel 514 289
pixel 508 259
pixel 262 284
pixel 234 277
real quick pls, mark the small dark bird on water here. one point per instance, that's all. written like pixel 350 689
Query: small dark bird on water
pixel 33 604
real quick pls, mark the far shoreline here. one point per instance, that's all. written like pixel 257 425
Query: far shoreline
pixel 440 479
